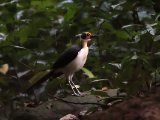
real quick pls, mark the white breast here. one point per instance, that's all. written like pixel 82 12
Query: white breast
pixel 77 63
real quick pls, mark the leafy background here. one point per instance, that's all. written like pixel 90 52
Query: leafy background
pixel 125 56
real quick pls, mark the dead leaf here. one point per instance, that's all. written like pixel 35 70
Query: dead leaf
pixel 69 117
pixel 4 68
pixel 104 89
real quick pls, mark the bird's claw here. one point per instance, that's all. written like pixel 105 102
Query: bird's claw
pixel 77 94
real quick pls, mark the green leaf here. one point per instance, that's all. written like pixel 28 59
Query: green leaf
pixel 88 73
pixel 23 34
pixel 70 11
pixel 157 38
pixel 122 34
pixel 37 77
pixel 108 26
pixel 42 4
pixel 100 80
pixel 18 47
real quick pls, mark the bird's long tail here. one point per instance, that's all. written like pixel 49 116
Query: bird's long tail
pixel 50 74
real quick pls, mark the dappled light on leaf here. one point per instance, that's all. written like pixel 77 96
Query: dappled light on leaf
pixel 4 68
pixel 2 37
pixel 88 73
pixel 37 77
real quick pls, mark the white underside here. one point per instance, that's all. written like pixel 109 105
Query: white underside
pixel 77 63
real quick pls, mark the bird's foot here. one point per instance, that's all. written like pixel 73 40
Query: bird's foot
pixel 74 87
pixel 78 93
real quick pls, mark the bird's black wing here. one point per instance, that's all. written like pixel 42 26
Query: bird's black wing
pixel 66 57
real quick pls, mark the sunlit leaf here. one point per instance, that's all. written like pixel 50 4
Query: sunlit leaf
pixel 37 77
pixel 134 57
pixel 157 38
pixel 117 5
pixel 2 36
pixel 19 47
pixel 150 29
pixel 99 80
pixel 128 26
pixel 88 72
pixel 116 65
pixel 21 74
pixel 4 68
pixel 157 53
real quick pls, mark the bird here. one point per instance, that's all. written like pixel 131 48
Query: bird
pixel 71 61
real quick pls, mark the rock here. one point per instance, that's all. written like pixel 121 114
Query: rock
pixel 56 108
pixel 24 116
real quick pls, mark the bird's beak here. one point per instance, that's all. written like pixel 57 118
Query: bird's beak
pixel 78 36
pixel 94 35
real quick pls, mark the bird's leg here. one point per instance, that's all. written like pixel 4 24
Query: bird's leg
pixel 75 86
pixel 72 86
pixel 75 90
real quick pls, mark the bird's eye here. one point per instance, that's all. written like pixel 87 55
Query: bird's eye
pixel 88 34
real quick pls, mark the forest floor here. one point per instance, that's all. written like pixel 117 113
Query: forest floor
pixel 144 107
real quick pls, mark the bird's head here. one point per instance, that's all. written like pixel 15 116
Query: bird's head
pixel 86 36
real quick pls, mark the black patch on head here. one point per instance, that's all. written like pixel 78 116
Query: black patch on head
pixel 83 35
